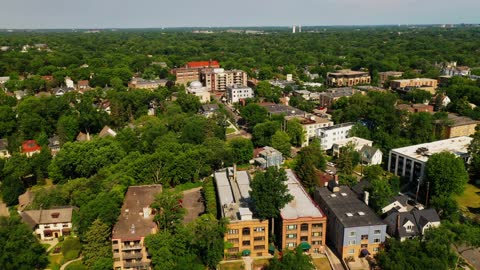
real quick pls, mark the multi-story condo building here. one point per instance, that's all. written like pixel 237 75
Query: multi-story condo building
pixel 410 161
pixel 269 157
pixel 330 96
pixel 353 228
pixel 347 78
pixel 387 75
pixel 133 225
pixel 310 124
pixel 235 93
pixel 246 234
pixel 332 134
pixel 413 83
pixel 276 109
pixel 191 71
pixel 217 79
pixel 302 222
pixel 49 223
pixel 139 83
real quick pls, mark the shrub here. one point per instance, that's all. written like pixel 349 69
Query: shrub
pixel 209 195
pixel 71 244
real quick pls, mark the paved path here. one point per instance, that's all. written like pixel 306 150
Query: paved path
pixel 334 260
pixel 247 260
pixel 52 243
pixel 193 203
pixel 69 262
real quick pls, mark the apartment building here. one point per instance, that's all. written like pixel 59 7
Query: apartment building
pixel 451 69
pixel 133 225
pixel 246 234
pixel 276 109
pixel 413 83
pixel 139 83
pixel 269 157
pixel 217 79
pixel 235 93
pixel 353 228
pixel 49 223
pixel 347 77
pixel 388 75
pixel 310 124
pixel 410 161
pixel 191 71
pixel 458 126
pixel 302 222
pixel 332 134
pixel 330 96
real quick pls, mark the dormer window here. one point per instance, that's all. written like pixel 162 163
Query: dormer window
pixel 55 215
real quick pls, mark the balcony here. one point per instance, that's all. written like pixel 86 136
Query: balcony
pixel 134 247
pixel 138 265
pixel 127 256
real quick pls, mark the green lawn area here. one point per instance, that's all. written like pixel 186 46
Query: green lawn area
pixel 55 261
pixel 187 186
pixel 322 263
pixel 260 262
pixel 76 266
pixel 230 130
pixel 235 265
pixel 469 201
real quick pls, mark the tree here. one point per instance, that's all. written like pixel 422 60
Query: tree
pixel 97 244
pixel 296 132
pixel 270 193
pixel 349 158
pixel 254 114
pixel 169 209
pixel 188 103
pixel 447 174
pixel 19 248
pixel 418 96
pixel 240 149
pixel 474 152
pixel 263 132
pixel 281 142
pixel 381 193
pixel 67 128
pixel 292 260
pixel 309 159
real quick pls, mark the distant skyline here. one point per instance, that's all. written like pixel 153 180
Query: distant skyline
pixel 92 14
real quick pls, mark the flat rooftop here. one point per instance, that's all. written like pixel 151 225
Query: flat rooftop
pixel 347 72
pixel 337 126
pixel 348 209
pixel 301 205
pixel 310 119
pixel 281 109
pixel 136 218
pixel 359 142
pixel 233 189
pixel 415 79
pixel 457 146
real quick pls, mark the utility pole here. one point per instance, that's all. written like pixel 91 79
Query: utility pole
pixel 426 199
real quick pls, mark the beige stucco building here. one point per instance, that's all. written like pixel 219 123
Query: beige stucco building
pixel 347 78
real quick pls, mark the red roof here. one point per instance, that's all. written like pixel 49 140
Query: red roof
pixel 47 78
pixel 201 64
pixel 30 146
pixel 83 83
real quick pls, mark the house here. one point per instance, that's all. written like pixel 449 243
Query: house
pixel 81 137
pixel 407 225
pixel 370 155
pixel 347 77
pixel 60 91
pixel 352 227
pixel 49 223
pixel 310 123
pixel 197 89
pixel 451 69
pixel 134 224
pixel 409 162
pixel 25 200
pixel 69 82
pixel 209 109
pixel 30 147
pixel 357 143
pixel 83 85
pixel 441 101
pixel 236 93
pixel 457 126
pixel 20 94
pixel 107 131
pixel 54 144
pixel 398 203
pixel 245 234
pixel 4 79
pixel 330 96
pixel 302 222
pixel 269 157
pixel 329 135
pixel 4 153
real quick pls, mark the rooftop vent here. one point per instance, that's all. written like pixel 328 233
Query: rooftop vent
pixel 344 194
pixel 361 213
pixel 349 214
pixel 422 151
pixel 334 195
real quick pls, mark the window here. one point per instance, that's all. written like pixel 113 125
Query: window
pixel 259 229
pixel 246 243
pixel 259 238
pixel 233 240
pixel 291 245
pixel 304 227
pixel 304 238
pixel 233 231
pixel 317 243
pixel 259 247
pixel 316 250
pixel 246 231
pixel 409 228
pixel 375 249
pixel 292 235
pixel 352 234
pixel 364 246
pixel 233 250
pixel 291 227
pixel 352 242
pixel 351 251
pixel 376 240
pixel 377 232
pixel 316 234
pixel 364 236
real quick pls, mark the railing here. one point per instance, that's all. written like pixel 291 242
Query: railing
pixel 141 265
pixel 127 256
pixel 134 247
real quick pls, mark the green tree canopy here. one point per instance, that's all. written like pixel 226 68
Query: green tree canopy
pixel 446 173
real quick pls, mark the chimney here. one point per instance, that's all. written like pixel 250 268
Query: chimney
pixel 146 212
pixel 88 136
pixel 366 195
pixel 336 178
pixel 398 223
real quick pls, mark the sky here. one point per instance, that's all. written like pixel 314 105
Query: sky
pixel 92 14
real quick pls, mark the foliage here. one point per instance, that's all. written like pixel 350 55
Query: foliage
pixel 446 173
pixel 169 209
pixel 308 160
pixel 263 132
pixel 292 260
pixel 348 180
pixel 349 158
pixel 19 249
pixel 383 186
pixel 269 192
pixel 97 248
pixel 209 195
pixel 281 142
pixel 296 132
pixel 71 244
pixel 240 150
pixel 254 114
pixel 474 153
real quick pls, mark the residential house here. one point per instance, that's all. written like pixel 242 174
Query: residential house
pixel 107 131
pixel 83 85
pixel 310 123
pixel 329 135
pixel 236 93
pixel 246 234
pixel 302 222
pixel 54 144
pixel 60 91
pixel 81 137
pixel 134 224
pixel 347 77
pixel 197 89
pixel 370 155
pixel 268 157
pixel 49 223
pixel 69 82
pixel 407 225
pixel 457 125
pixel 352 227
pixel 409 162
pixel 4 153
pixel 209 109
pixel 330 96
pixel 398 203
pixel 30 148
pixel 357 143
pixel 441 101
pixel 451 69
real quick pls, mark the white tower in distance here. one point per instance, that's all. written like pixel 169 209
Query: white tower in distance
pixel 299 29
pixel 294 28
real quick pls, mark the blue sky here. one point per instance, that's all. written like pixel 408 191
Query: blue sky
pixel 179 13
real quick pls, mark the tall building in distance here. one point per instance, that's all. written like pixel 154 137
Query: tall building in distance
pixel 191 71
pixel 133 225
pixel 217 79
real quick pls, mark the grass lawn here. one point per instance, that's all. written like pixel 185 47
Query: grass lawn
pixel 260 262
pixel 187 186
pixel 469 201
pixel 236 265
pixel 76 266
pixel 322 263
pixel 55 261
pixel 230 130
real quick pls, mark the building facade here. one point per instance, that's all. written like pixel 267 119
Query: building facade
pixel 388 75
pixel 347 78
pixel 353 228
pixel 217 79
pixel 49 223
pixel 302 222
pixel 410 161
pixel 310 123
pixel 247 235
pixel 459 126
pixel 413 83
pixel 332 134
pixel 139 83
pixel 197 89
pixel 269 157
pixel 133 225
pixel 330 96
pixel 235 93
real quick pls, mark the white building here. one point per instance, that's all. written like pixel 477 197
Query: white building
pixel 69 83
pixel 235 93
pixel 330 135
pixel 357 142
pixel 310 124
pixel 451 69
pixel 409 161
pixel 197 89
pixel 371 155
pixel 49 224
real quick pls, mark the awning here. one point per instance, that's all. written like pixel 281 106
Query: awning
pixel 246 252
pixel 305 246
pixel 271 249
pixel 364 252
